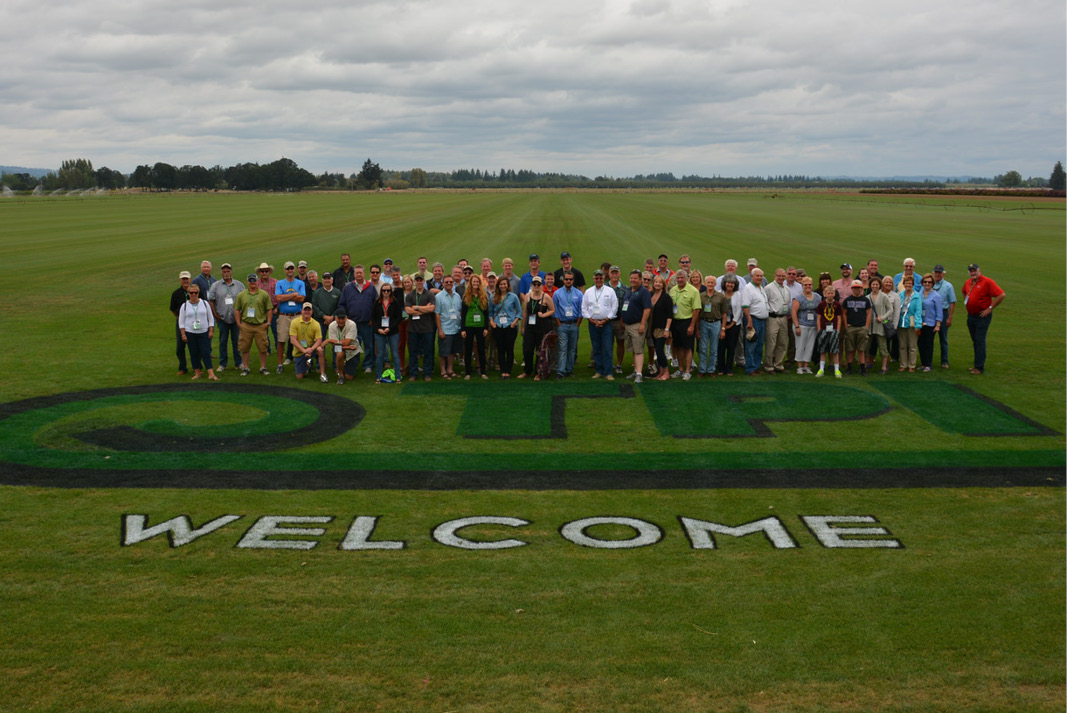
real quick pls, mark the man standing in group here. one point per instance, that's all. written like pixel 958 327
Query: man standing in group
pixel 387 272
pixel 981 295
pixel 424 269
pixel 599 307
pixel 221 297
pixel 448 306
pixel 420 305
pixel 303 275
pixel 204 280
pixel 291 294
pixel 843 287
pixel 635 310
pixel 344 274
pixel 663 270
pixel 617 329
pixel 684 329
pixel 754 310
pixel 909 271
pixel 730 267
pixel 177 298
pixel 508 266
pixel 357 299
pixel 566 265
pixel 527 278
pixel 437 282
pixel 948 301
pixel 858 309
pixel 376 277
pixel 568 304
pixel 325 300
pixel 305 334
pixel 779 306
pixel 252 309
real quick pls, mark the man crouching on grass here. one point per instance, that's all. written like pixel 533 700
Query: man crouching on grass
pixel 305 334
pixel 342 338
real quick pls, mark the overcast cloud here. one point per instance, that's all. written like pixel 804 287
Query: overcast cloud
pixel 616 87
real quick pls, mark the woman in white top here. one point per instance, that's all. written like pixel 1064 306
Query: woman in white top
pixel 197 326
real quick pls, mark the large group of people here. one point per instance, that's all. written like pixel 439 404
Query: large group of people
pixel 389 323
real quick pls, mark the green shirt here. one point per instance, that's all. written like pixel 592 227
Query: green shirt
pixel 686 301
pixel 253 309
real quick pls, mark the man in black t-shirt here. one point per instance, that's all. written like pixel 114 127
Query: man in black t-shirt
pixel 566 262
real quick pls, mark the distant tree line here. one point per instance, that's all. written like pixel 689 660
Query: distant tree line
pixel 285 175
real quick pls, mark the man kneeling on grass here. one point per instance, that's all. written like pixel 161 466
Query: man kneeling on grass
pixel 305 334
pixel 342 338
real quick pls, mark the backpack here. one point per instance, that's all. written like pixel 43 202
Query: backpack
pixel 544 352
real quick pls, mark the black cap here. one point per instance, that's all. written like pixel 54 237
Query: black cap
pixel 939 268
pixel 341 314
pixel 533 256
pixel 564 254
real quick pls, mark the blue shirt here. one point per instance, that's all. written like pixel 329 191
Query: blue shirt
pixel 568 304
pixel 527 279
pixel 509 310
pixel 633 305
pixel 357 302
pixel 450 309
pixel 932 310
pixel 287 287
pixel 947 292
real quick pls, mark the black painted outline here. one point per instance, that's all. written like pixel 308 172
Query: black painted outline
pixel 1042 429
pixel 662 532
pixel 685 531
pixel 558 415
pixel 337 415
pixel 874 521
pixel 759 425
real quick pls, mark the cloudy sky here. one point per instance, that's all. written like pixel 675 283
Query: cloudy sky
pixel 596 87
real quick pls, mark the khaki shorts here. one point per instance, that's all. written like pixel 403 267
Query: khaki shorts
pixel 284 320
pixel 856 339
pixel 619 330
pixel 250 332
pixel 634 341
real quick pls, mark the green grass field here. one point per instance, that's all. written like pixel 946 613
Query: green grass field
pixel 966 614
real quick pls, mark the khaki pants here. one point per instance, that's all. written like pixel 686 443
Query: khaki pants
pixel 909 341
pixel 777 342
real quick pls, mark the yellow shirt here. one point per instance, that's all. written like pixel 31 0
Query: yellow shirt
pixel 305 332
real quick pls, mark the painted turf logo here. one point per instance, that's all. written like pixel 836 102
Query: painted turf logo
pixel 129 437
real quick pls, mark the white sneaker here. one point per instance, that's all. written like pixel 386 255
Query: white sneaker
pixel 637 378
pixel 676 375
pixel 633 376
pixel 324 379
pixel 800 370
pixel 686 376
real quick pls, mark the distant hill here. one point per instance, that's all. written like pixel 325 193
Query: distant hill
pixel 35 172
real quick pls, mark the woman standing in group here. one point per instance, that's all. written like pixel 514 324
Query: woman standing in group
pixel 492 356
pixel 660 324
pixel 865 278
pixel 824 280
pixel 474 324
pixel 805 326
pixel 882 316
pixel 407 286
pixel 728 345
pixel 536 322
pixel 197 326
pixel 386 316
pixel 931 321
pixel 911 320
pixel 504 315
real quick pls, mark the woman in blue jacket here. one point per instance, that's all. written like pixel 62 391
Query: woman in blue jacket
pixel 504 314
pixel 911 321
pixel 931 321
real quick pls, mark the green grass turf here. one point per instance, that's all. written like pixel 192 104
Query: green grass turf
pixel 968 616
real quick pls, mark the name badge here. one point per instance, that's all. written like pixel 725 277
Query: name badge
pixel 453 315
pixel 830 328
pixel 250 313
pixel 625 306
pixel 304 343
pixel 707 307
pixel 568 312
pixel 337 349
pixel 385 323
pixel 292 304
pixel 476 318
pixel 229 300
pixel 196 324
pixel 676 309
pixel 532 320
pixel 415 316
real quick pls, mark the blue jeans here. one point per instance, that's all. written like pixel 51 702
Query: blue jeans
pixel 754 349
pixel 709 346
pixel 228 333
pixel 421 345
pixel 943 338
pixel 602 339
pixel 568 348
pixel 978 327
pixel 366 335
pixel 392 342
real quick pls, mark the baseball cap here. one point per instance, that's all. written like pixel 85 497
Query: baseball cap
pixel 598 272
pixel 341 314
pixel 615 268
pixel 327 274
pixel 252 277
pixel 533 256
pixel 845 265
pixel 752 262
pixel 288 264
pixel 939 268
pixel 564 254
pixel 184 274
pixel 307 305
pixel 387 261
pixel 226 265
pixel 419 277
pixel 857 283
pixel 973 266
pixel 537 280
pixel 302 263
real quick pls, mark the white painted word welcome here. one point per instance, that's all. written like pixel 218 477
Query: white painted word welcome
pixel 278 532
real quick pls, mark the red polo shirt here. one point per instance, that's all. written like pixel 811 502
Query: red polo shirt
pixel 979 294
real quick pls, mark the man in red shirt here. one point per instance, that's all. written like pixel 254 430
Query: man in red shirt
pixel 981 295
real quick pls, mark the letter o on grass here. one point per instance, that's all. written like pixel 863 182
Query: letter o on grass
pixel 645 533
